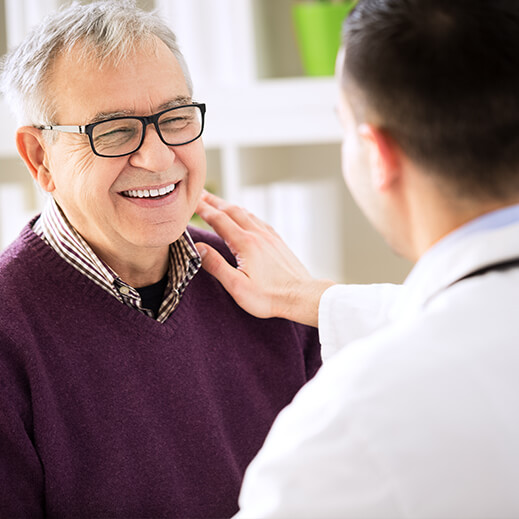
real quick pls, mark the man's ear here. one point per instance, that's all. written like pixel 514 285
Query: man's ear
pixel 33 150
pixel 384 156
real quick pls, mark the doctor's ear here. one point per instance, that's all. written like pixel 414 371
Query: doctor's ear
pixel 384 156
pixel 32 147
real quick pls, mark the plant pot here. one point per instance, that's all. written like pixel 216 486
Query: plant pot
pixel 318 28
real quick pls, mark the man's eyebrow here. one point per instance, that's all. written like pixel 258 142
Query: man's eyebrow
pixel 177 101
pixel 103 116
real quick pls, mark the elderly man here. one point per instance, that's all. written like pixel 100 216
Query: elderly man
pixel 131 383
pixel 415 413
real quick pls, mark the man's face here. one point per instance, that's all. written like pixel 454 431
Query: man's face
pixel 95 192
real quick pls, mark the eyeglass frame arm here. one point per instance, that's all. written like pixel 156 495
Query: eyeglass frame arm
pixel 65 129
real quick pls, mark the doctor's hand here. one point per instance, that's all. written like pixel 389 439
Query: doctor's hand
pixel 269 281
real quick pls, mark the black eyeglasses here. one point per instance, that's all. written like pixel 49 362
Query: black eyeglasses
pixel 122 136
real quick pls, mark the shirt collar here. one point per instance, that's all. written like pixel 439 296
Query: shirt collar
pixel 184 261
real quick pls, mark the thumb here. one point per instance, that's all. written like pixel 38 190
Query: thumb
pixel 214 263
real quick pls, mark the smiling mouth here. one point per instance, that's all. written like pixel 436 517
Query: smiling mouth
pixel 149 193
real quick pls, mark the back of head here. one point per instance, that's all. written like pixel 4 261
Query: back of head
pixel 106 31
pixel 441 77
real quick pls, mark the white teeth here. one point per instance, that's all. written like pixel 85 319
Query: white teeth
pixel 149 193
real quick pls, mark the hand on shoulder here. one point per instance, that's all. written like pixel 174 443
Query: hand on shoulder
pixel 269 280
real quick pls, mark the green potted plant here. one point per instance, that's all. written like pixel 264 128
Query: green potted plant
pixel 318 31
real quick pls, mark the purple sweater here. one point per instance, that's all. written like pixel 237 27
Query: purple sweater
pixel 105 412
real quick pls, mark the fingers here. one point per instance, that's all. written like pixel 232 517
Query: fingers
pixel 269 280
pixel 239 215
pixel 214 200
pixel 225 226
pixel 232 279
pixel 213 262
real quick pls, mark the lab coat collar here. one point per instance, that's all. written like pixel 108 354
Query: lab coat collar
pixel 450 260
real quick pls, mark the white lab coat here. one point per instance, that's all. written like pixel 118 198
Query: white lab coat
pixel 418 417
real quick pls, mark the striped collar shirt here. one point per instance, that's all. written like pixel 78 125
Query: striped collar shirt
pixel 184 262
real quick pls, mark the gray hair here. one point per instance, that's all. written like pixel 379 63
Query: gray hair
pixel 110 29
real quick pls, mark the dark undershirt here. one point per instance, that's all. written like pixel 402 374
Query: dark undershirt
pixel 152 295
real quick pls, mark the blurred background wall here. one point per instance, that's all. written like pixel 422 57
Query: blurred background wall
pixel 272 134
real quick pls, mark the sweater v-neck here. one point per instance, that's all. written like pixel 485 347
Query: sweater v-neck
pixel 61 270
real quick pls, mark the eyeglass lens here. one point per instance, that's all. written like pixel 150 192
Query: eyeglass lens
pixel 120 136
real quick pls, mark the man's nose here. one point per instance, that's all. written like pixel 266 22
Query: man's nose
pixel 153 155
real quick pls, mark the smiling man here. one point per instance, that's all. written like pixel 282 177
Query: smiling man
pixel 130 207
pixel 131 384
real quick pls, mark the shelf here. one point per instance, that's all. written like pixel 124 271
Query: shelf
pixel 272 112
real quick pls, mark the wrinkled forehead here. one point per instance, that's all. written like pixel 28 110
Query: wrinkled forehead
pixel 90 49
pixel 83 84
pixel 88 53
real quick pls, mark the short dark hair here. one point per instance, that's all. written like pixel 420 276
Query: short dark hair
pixel 442 78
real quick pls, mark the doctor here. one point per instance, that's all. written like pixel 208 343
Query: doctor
pixel 415 412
